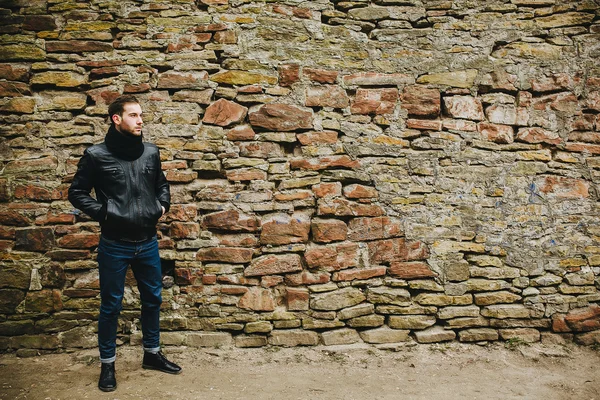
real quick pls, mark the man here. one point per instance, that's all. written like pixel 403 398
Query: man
pixel 132 193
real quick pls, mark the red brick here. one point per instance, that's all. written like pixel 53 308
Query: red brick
pixel 315 138
pixel 234 255
pixel 320 75
pixel 297 299
pixel 392 250
pixel 333 189
pixel 246 174
pixel 181 176
pixel 566 188
pixel 288 74
pixel 257 299
pixel 79 241
pixel 54 219
pixel 307 278
pixel 231 220
pixel 182 212
pixel 359 273
pixel 281 117
pixel 424 124
pixel 503 134
pixel 584 319
pixel 241 132
pixel 333 257
pixel 318 164
pixel 356 191
pixel 326 96
pixel 271 281
pixel 68 255
pixel 281 229
pixel 224 112
pixel 374 101
pixel 184 230
pixel 583 148
pixel 260 149
pixel 361 229
pixel 538 135
pixel 328 230
pixel 411 270
pixel 34 239
pixel 14 89
pixel 421 100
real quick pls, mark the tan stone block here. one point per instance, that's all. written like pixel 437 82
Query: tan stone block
pixel 292 338
pixel 434 334
pixel 478 335
pixel 340 336
pixel 384 335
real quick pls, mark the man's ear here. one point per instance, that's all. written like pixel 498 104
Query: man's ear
pixel 116 119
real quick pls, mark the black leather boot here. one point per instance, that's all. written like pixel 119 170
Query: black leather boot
pixel 108 380
pixel 159 362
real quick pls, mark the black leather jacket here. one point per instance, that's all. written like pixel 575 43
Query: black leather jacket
pixel 129 194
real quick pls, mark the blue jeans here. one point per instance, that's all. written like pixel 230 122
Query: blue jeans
pixel 114 257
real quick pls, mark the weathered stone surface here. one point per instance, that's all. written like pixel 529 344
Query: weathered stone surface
pixel 337 299
pixel 395 250
pixel 384 335
pixel 384 295
pixel 363 147
pixel 10 299
pixel 257 299
pixel 411 321
pixel 224 112
pixel 502 134
pixel 34 239
pixel 411 270
pixel 340 336
pixel 245 341
pixel 272 264
pixel 230 220
pixel 225 254
pixel 374 101
pixel 421 100
pixel 292 338
pixel 328 230
pixel 280 117
pixel 242 78
pixel 285 229
pixel 333 257
pixel 478 335
pixel 326 96
pixel 434 334
pixel 461 79
pixel 208 339
pixel 466 107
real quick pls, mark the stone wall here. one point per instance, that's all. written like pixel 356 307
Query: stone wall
pixel 377 171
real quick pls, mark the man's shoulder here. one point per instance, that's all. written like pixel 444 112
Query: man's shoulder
pixel 97 149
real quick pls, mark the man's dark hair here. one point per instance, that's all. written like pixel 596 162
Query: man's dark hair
pixel 118 105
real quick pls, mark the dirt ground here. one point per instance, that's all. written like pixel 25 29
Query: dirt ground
pixel 355 372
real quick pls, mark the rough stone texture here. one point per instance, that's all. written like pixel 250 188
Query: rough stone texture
pixel 428 166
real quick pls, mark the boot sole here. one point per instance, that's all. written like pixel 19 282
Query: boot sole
pixel 161 370
pixel 107 389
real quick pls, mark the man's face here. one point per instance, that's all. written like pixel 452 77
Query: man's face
pixel 131 121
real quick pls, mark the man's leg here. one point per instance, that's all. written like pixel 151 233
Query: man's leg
pixel 113 260
pixel 147 270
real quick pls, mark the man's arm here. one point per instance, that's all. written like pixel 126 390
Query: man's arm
pixel 83 183
pixel 163 192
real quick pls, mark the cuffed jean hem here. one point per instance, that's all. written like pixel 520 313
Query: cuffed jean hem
pixel 152 350
pixel 108 360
